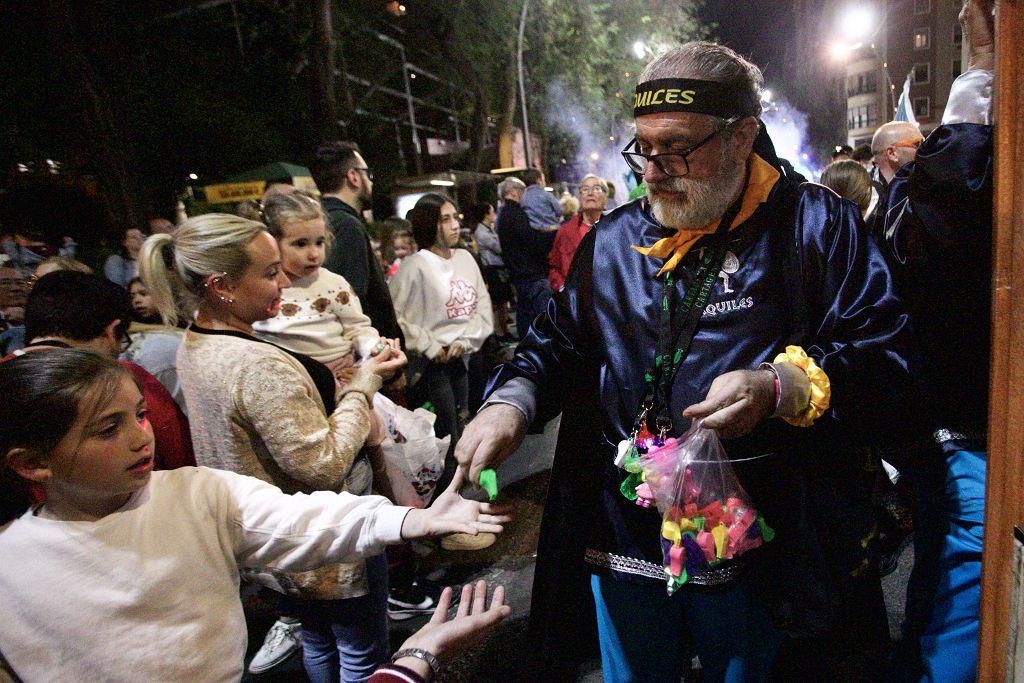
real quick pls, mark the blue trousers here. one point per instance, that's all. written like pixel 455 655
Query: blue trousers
pixel 345 640
pixel 642 632
pixel 949 642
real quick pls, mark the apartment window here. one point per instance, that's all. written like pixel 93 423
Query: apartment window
pixel 922 73
pixel 922 38
pixel 958 68
pixel 858 84
pixel 958 34
pixel 922 107
pixel 922 6
pixel 864 116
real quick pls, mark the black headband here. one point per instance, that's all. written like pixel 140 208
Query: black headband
pixel 690 95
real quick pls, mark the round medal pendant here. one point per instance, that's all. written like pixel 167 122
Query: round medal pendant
pixel 731 263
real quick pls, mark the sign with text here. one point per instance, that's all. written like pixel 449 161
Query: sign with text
pixel 226 193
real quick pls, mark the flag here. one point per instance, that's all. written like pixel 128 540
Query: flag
pixel 904 110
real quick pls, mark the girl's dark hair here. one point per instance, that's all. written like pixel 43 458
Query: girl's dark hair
pixel 43 391
pixel 425 216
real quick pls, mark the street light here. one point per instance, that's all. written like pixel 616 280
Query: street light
pixel 639 49
pixel 858 22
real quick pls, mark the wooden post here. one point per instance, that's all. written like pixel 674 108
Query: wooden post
pixel 1005 493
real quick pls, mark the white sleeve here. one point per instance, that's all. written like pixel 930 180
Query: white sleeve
pixel 970 98
pixel 303 531
pixel 481 325
pixel 406 280
pixel 356 325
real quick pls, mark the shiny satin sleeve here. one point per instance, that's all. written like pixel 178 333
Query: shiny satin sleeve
pixel 857 329
pixel 950 181
pixel 554 353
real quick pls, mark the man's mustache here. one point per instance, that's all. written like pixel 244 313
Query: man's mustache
pixel 670 185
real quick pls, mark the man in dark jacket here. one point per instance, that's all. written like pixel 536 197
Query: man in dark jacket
pixel 800 352
pixel 346 184
pixel 525 251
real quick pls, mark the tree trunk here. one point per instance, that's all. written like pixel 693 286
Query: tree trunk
pixel 324 106
pixel 508 112
pixel 105 146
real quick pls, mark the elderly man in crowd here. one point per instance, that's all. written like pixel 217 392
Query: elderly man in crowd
pixel 773 319
pixel 593 195
pixel 893 146
pixel 525 251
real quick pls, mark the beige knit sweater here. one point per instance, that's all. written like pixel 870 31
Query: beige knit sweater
pixel 255 410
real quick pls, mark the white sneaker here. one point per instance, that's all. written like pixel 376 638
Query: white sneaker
pixel 282 641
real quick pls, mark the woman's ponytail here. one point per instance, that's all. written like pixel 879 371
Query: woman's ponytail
pixel 159 274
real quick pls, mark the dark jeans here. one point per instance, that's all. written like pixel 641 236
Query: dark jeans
pixel 446 386
pixel 532 298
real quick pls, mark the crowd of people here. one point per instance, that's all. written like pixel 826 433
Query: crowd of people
pixel 211 406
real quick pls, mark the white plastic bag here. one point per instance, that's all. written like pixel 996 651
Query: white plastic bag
pixel 410 445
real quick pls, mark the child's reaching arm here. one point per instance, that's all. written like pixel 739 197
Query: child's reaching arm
pixel 303 531
pixel 356 326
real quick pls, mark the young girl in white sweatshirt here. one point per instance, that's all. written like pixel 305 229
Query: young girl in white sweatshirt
pixel 445 313
pixel 128 574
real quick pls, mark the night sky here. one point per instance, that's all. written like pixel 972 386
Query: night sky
pixel 757 30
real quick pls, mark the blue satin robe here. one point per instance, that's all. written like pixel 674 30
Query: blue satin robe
pixel 808 274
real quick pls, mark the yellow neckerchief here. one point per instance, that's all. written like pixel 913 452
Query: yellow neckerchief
pixel 763 177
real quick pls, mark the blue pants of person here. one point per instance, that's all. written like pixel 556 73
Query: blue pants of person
pixel 532 298
pixel 346 640
pixel 642 632
pixel 944 594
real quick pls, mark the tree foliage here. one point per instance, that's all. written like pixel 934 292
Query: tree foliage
pixel 140 96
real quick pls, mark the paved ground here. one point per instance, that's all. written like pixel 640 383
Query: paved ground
pixel 510 561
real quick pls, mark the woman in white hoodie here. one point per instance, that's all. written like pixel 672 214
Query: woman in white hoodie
pixel 445 312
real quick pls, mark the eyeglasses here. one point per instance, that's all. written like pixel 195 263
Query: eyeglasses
pixel 368 172
pixel 909 142
pixel 675 164
pixel 592 189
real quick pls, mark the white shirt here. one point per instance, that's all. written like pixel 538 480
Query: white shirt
pixel 150 592
pixel 440 301
pixel 321 317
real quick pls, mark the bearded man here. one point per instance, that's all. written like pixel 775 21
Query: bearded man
pixel 791 345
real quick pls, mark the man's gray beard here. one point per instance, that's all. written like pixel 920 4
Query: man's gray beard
pixel 703 202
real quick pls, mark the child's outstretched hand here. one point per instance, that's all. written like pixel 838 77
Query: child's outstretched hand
pixel 451 513
pixel 444 638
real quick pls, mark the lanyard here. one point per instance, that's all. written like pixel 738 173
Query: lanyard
pixel 673 347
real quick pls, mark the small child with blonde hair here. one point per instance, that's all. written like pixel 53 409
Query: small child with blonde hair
pixel 320 314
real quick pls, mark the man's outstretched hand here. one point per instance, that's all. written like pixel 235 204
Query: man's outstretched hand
pixel 489 438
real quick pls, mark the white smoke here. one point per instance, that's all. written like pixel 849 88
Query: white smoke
pixel 600 138
pixel 787 127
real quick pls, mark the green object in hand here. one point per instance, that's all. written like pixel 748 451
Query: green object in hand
pixel 489 483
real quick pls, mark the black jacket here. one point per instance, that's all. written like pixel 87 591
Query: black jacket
pixel 524 250
pixel 352 258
